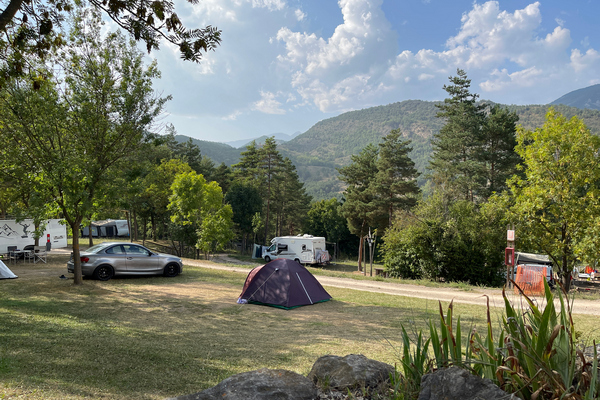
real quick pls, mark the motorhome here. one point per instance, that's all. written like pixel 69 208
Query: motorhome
pixel 305 249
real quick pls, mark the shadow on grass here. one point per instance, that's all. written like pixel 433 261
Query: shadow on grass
pixel 156 337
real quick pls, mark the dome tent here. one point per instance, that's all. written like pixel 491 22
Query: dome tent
pixel 5 272
pixel 282 283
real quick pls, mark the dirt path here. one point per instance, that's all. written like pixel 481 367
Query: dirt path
pixel 476 297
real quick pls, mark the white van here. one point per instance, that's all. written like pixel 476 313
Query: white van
pixel 304 249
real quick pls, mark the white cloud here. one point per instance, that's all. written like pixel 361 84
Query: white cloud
pixel 332 73
pixel 585 62
pixel 269 4
pixel 233 116
pixel 357 63
pixel 268 104
pixel 299 14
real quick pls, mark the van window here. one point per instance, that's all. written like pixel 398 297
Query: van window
pixel 303 247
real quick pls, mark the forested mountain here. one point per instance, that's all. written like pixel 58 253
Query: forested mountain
pixel 330 143
pixel 218 152
pixel 588 97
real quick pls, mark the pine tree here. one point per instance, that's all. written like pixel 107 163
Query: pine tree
pixel 498 152
pixel 360 207
pixel 396 181
pixel 456 161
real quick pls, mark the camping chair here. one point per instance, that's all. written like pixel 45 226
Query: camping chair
pixel 39 254
pixel 10 251
pixel 29 254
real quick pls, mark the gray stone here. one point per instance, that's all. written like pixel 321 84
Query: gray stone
pixel 263 384
pixel 350 372
pixel 458 384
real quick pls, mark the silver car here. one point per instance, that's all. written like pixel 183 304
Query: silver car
pixel 106 260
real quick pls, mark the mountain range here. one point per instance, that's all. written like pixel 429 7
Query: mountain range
pixel 330 143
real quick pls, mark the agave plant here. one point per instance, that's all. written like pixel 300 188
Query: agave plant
pixel 534 356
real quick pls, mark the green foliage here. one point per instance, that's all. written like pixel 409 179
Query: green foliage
pixel 325 219
pixel 473 154
pixel 199 204
pixel 395 183
pixel 455 242
pixel 69 138
pixel 285 202
pixel 555 203
pixel 535 356
pixel 34 31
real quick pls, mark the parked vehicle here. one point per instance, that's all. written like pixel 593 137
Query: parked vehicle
pixel 106 260
pixel 304 249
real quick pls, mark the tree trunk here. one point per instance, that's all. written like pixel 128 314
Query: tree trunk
pixel 360 252
pixel 90 236
pixel 135 227
pixel 153 222
pixel 78 278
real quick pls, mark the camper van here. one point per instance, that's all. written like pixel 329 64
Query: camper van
pixel 305 249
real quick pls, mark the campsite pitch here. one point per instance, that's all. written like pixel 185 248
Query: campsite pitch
pixel 152 338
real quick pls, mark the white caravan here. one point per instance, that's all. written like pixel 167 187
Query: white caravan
pixel 20 234
pixel 305 249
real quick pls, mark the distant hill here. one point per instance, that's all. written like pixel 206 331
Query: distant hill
pixel 330 143
pixel 279 138
pixel 588 97
pixel 218 152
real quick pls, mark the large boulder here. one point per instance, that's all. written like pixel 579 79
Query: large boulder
pixel 350 372
pixel 262 384
pixel 458 384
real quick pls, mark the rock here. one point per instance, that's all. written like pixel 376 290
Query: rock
pixel 350 372
pixel 263 384
pixel 458 384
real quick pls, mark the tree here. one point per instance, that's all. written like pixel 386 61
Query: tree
pixel 71 139
pixel 556 203
pixel 284 199
pixel 455 162
pixel 291 202
pixel 396 179
pixel 245 201
pixel 325 219
pixel 157 191
pixel 498 149
pixel 460 242
pixel 199 205
pixel 474 151
pixel 32 29
pixel 360 207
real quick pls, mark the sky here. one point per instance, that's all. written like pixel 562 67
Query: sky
pixel 285 65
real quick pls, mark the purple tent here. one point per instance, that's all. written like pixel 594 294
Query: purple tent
pixel 282 283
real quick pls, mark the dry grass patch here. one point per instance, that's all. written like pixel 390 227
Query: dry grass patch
pixel 155 337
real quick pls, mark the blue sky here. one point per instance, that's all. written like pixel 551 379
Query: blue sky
pixel 284 65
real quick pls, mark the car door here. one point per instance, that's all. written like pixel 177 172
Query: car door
pixel 117 257
pixel 140 259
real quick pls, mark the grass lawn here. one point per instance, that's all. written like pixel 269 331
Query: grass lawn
pixel 152 338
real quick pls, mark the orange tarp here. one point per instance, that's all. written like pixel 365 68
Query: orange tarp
pixel 530 280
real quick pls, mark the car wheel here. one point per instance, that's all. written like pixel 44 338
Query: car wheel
pixel 104 272
pixel 171 270
pixel 298 261
pixel 267 259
